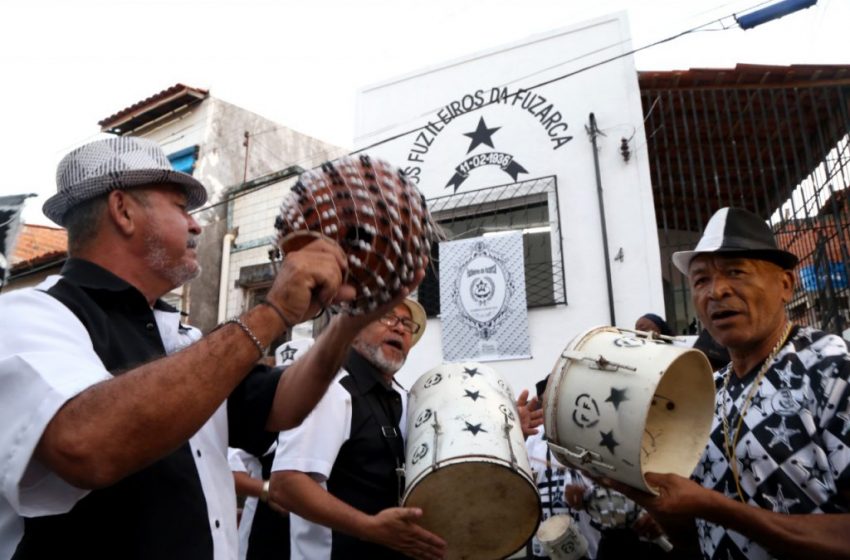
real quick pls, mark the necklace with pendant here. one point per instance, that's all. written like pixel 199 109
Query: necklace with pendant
pixel 730 440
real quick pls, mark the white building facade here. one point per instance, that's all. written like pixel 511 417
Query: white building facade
pixel 500 141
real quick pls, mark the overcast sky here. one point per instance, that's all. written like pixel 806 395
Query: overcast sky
pixel 68 63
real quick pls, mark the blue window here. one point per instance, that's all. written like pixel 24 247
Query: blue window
pixel 184 160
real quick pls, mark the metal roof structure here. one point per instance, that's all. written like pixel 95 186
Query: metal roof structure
pixel 717 136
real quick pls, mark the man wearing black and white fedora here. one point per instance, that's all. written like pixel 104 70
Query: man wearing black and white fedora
pixel 774 480
pixel 114 417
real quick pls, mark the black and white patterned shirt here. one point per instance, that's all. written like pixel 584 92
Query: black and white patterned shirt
pixel 793 452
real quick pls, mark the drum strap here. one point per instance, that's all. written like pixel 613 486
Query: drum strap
pixel 391 434
pixel 549 482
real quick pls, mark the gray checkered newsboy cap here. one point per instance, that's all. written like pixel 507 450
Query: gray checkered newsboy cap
pixel 121 162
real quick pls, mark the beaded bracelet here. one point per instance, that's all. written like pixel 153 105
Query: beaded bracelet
pixel 279 312
pixel 250 333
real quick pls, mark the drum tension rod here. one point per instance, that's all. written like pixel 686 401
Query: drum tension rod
pixel 436 426
pixel 507 429
pixel 601 363
pixel 584 456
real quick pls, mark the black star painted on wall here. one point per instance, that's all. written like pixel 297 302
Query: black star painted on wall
pixel 474 395
pixel 472 372
pixel 474 428
pixel 617 396
pixel 608 441
pixel 481 135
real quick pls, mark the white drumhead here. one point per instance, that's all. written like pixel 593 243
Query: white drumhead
pixel 561 539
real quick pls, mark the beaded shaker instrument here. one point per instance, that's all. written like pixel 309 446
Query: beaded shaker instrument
pixel 371 210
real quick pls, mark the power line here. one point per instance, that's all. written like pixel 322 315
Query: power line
pixel 698 28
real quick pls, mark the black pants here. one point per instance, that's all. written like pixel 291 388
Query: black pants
pixel 624 544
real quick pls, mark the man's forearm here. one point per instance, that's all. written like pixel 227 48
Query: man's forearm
pixel 805 537
pixel 306 380
pixel 300 494
pixel 246 485
pixel 123 424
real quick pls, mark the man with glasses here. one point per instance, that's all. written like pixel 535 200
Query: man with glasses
pixel 340 472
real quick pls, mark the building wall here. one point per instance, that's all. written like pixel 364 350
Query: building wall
pixel 218 129
pixel 254 214
pixel 446 104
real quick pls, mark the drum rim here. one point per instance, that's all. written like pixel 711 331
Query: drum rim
pixel 464 459
pixel 500 463
pixel 559 372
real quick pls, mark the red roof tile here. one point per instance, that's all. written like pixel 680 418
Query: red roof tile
pixel 146 110
pixel 39 244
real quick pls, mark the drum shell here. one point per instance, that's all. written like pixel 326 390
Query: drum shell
pixel 653 415
pixel 479 494
pixel 561 539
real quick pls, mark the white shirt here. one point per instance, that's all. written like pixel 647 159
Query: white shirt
pixel 244 462
pixel 312 448
pixel 35 352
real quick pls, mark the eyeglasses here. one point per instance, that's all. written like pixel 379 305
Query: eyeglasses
pixel 409 325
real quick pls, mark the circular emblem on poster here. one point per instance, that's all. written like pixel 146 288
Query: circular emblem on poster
pixel 483 290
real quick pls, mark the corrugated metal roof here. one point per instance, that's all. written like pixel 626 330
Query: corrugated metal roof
pixel 736 130
pixel 147 110
pixel 746 76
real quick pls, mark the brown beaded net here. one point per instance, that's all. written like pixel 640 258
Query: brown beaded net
pixel 373 212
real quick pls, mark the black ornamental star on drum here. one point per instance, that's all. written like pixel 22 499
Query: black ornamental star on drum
pixel 619 405
pixel 483 289
pixel 476 450
pixel 471 372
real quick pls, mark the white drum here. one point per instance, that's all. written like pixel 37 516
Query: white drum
pixel 622 403
pixel 560 538
pixel 466 464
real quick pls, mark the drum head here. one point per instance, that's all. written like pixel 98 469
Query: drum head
pixel 679 419
pixel 482 510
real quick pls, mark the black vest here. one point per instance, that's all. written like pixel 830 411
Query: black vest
pixel 160 511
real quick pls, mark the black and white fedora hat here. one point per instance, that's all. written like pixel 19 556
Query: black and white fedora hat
pixel 737 232
pixel 115 163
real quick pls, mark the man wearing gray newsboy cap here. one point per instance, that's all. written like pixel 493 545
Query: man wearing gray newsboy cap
pixel 114 417
pixel 774 480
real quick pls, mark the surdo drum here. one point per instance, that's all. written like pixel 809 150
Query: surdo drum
pixel 560 538
pixel 622 403
pixel 466 463
pixel 373 212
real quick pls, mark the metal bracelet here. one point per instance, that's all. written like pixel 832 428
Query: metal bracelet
pixel 260 348
pixel 279 312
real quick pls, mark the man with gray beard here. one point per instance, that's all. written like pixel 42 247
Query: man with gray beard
pixel 339 473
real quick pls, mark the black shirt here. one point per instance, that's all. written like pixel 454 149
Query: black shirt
pixel 364 474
